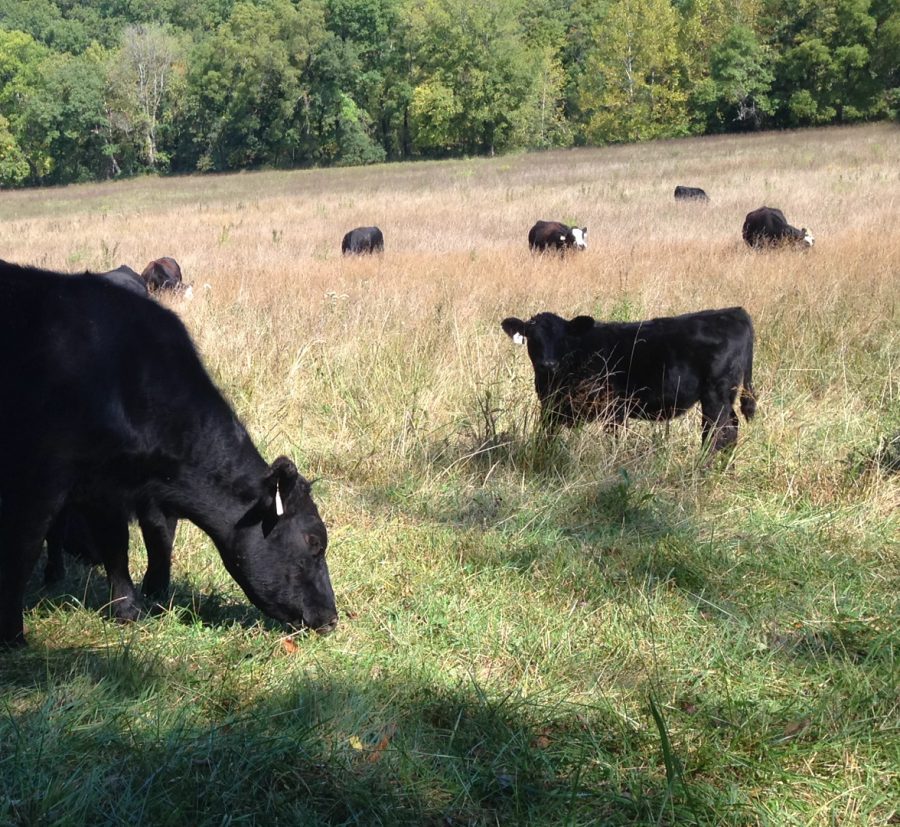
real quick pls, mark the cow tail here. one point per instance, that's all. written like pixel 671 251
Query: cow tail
pixel 748 393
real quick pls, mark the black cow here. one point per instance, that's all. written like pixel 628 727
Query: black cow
pixel 363 240
pixel 82 530
pixel 77 530
pixel 655 369
pixel 555 235
pixel 105 404
pixel 164 274
pixel 690 194
pixel 767 226
pixel 124 276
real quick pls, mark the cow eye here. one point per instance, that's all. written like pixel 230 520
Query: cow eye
pixel 315 545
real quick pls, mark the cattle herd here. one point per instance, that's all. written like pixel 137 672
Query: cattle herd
pixel 107 415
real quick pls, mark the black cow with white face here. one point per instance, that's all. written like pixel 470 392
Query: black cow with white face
pixel 690 194
pixel 104 404
pixel 554 235
pixel 362 241
pixel 767 227
pixel 656 369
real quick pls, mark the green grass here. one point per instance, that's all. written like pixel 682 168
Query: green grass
pixel 581 630
pixel 508 651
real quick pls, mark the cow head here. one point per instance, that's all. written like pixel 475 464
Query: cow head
pixel 808 238
pixel 279 553
pixel 578 238
pixel 549 337
pixel 164 274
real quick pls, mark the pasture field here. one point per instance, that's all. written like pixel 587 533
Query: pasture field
pixel 579 630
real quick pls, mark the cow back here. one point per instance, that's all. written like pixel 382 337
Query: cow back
pixel 94 371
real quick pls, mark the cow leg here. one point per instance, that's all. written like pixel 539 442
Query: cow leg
pixel 109 528
pixel 55 570
pixel 24 522
pixel 720 422
pixel 615 419
pixel 555 411
pixel 159 535
pixel 550 420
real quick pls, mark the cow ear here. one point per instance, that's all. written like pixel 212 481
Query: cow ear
pixel 515 329
pixel 580 325
pixel 278 483
pixel 584 231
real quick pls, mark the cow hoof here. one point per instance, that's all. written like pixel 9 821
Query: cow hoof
pixel 127 612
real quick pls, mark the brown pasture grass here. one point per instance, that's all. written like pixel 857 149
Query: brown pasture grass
pixel 352 360
pixel 390 378
pixel 281 300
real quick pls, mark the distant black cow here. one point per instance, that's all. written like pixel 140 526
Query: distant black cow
pixel 556 236
pixel 363 240
pixel 655 369
pixel 124 276
pixel 690 194
pixel 767 226
pixel 164 274
pixel 105 404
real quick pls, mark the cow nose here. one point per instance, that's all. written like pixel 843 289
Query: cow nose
pixel 327 628
pixel 550 364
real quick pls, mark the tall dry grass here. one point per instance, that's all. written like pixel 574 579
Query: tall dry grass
pixel 343 355
pixel 584 572
pixel 372 365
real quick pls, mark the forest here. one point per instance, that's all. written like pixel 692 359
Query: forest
pixel 108 88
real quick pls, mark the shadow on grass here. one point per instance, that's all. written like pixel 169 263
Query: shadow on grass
pixel 618 526
pixel 600 534
pixel 141 738
pixel 87 586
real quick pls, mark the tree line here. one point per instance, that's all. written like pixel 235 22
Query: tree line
pixel 92 89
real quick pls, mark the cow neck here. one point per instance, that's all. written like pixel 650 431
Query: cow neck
pixel 222 480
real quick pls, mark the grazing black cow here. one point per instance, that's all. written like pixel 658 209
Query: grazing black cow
pixel 767 226
pixel 105 404
pixel 655 369
pixel 363 240
pixel 555 235
pixel 690 194
pixel 81 530
pixel 164 274
pixel 124 276
pixel 75 529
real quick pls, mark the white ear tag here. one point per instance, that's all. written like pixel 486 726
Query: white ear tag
pixel 279 505
pixel 518 338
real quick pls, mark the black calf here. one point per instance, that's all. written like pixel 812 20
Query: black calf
pixel 656 369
